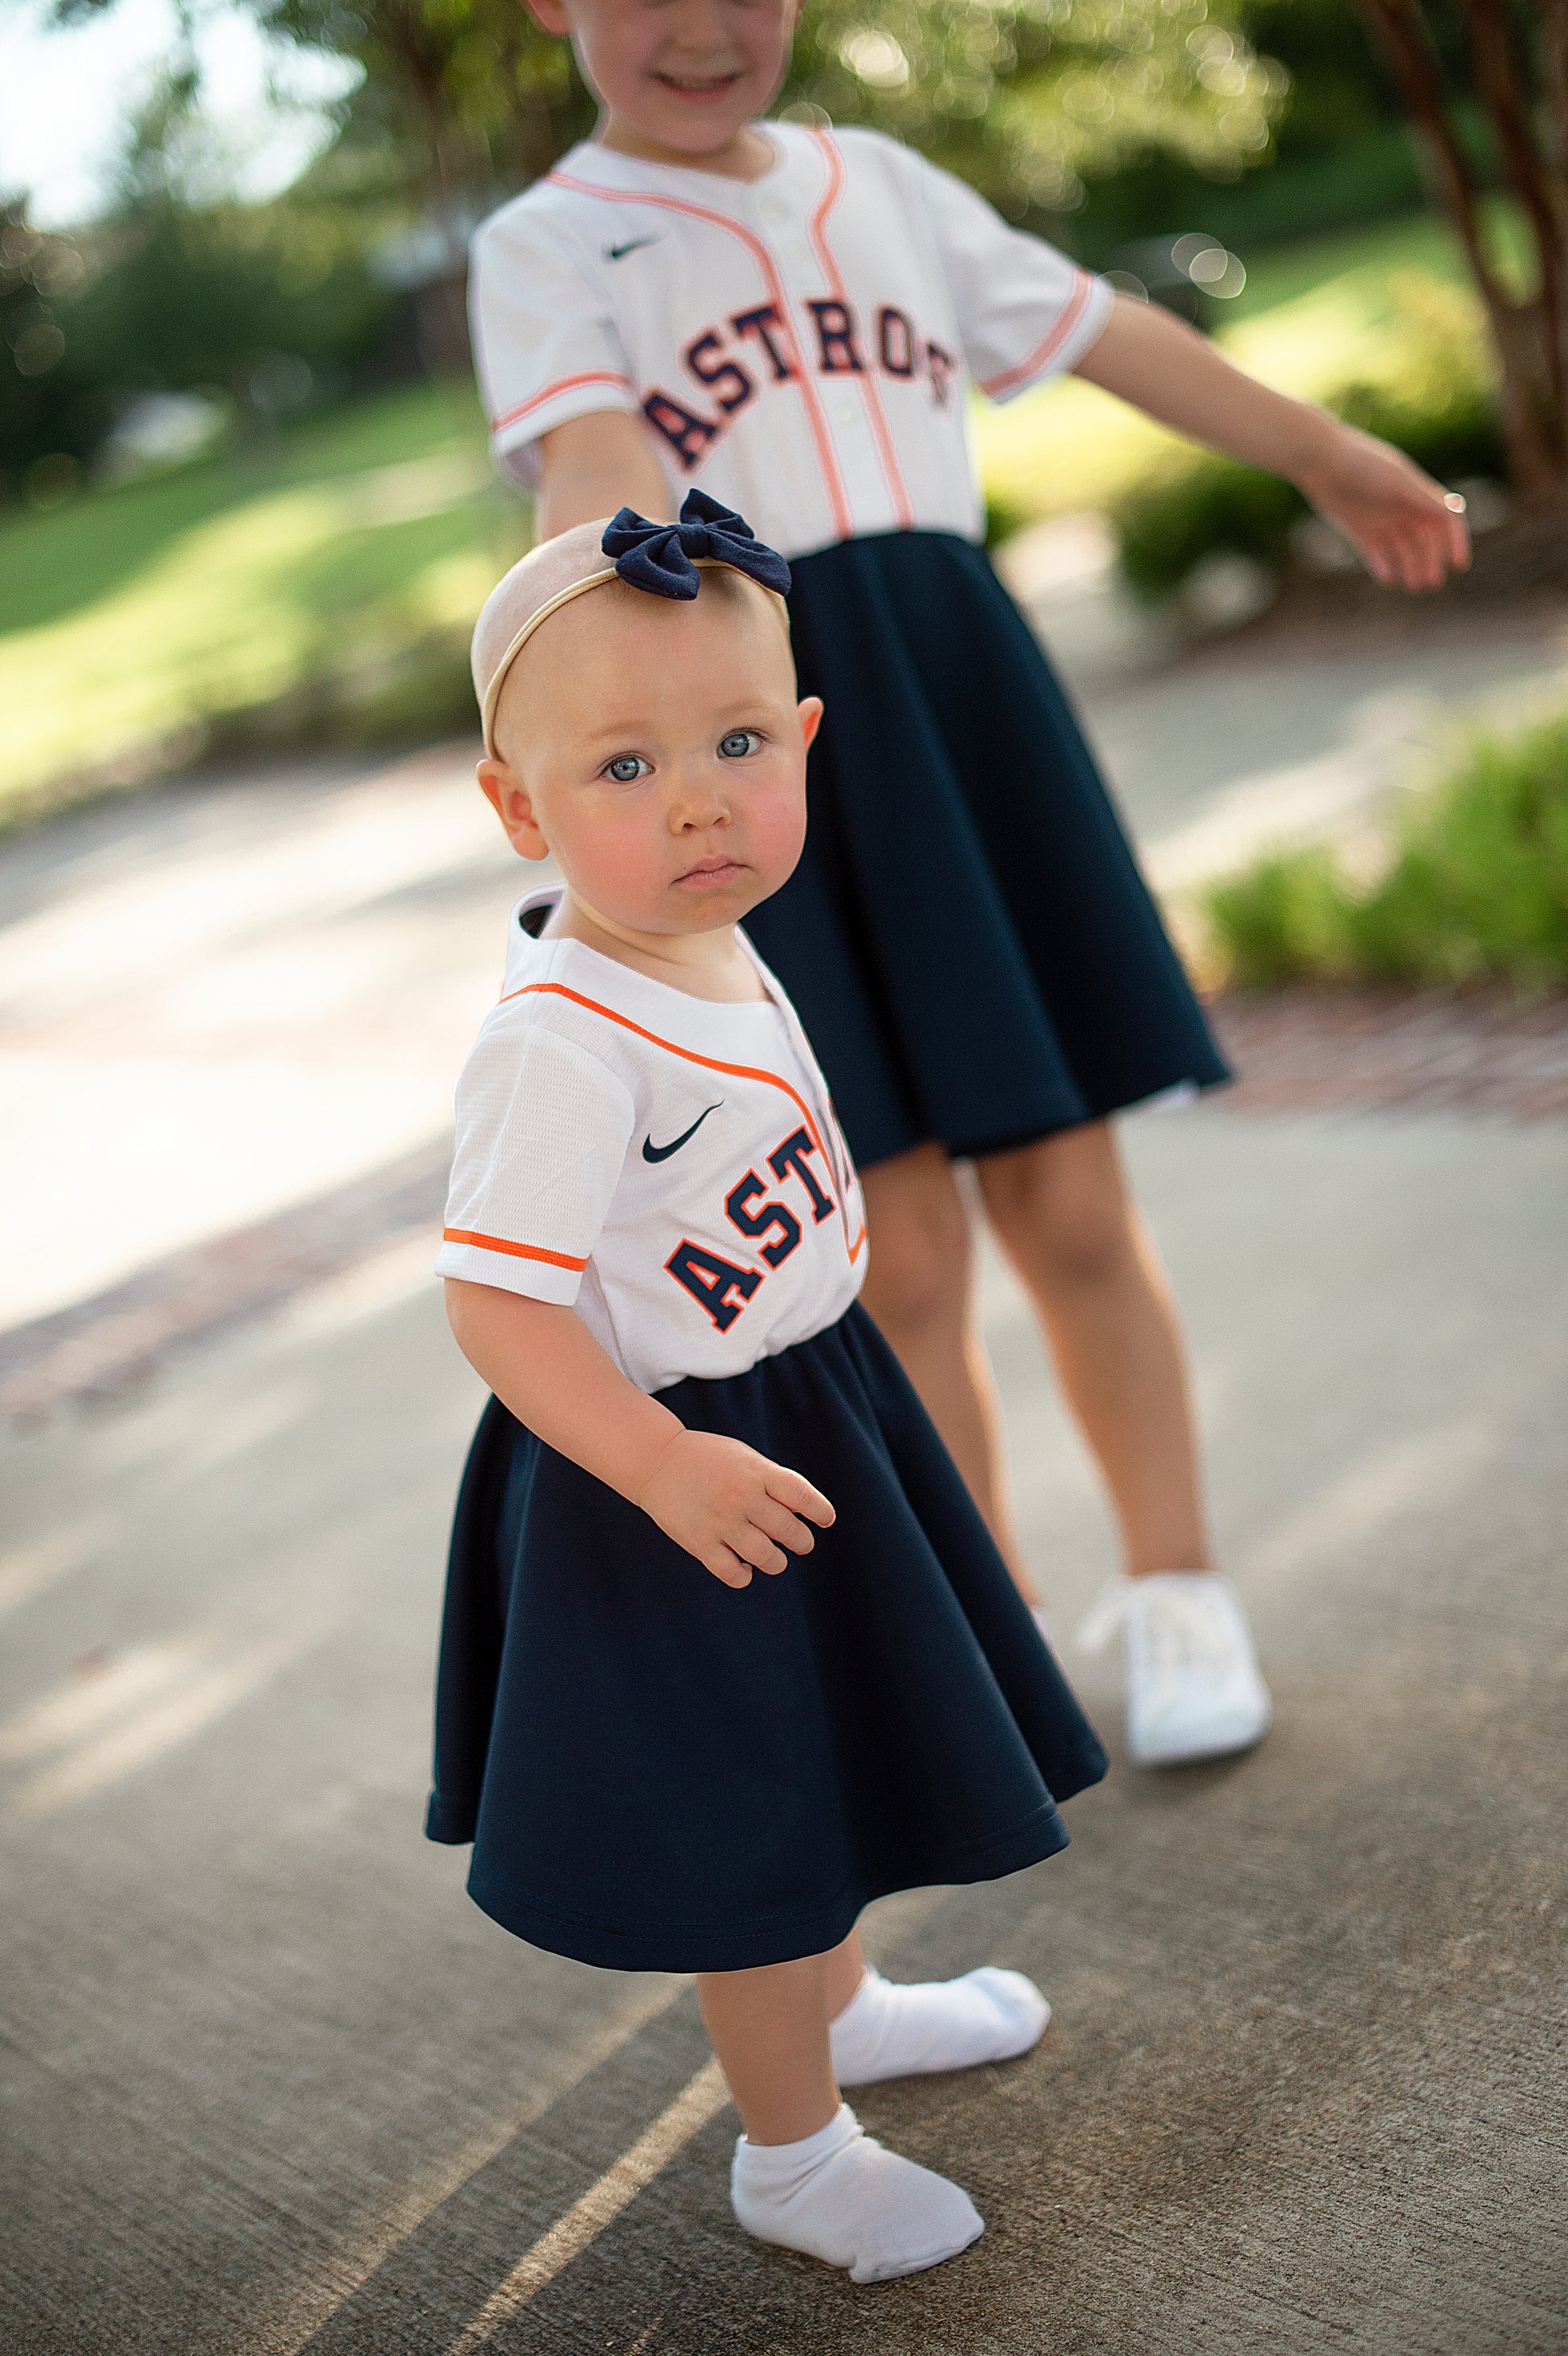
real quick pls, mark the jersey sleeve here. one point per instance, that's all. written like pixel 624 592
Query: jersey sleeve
pixel 1026 312
pixel 542 1128
pixel 545 345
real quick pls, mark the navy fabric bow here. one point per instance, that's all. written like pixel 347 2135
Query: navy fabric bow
pixel 661 556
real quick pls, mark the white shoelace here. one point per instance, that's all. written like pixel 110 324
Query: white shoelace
pixel 1104 1617
pixel 1184 1632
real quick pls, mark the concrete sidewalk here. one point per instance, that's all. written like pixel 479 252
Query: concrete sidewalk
pixel 273 2085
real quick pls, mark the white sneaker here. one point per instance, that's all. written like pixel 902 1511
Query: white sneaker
pixel 1193 1687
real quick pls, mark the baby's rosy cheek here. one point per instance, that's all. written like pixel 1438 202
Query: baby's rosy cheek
pixel 781 826
pixel 628 858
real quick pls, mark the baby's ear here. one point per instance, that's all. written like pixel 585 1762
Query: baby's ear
pixel 811 711
pixel 509 798
pixel 549 16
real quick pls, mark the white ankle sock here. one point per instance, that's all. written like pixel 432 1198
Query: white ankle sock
pixel 886 2031
pixel 837 2195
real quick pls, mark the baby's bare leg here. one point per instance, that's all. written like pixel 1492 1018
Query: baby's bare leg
pixel 770 2028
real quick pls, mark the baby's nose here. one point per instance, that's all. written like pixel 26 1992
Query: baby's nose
pixel 699 802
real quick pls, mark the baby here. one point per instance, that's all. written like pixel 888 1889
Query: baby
pixel 653 1244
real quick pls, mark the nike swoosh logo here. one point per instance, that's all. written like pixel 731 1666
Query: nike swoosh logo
pixel 619 252
pixel 652 1152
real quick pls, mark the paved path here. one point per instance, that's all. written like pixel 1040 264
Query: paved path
pixel 271 2083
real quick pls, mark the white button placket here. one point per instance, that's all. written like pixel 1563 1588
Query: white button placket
pixel 772 216
pixel 783 227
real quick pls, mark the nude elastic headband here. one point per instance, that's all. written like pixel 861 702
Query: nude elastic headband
pixel 667 560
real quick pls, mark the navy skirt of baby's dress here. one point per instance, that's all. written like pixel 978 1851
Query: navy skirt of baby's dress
pixel 661 1772
pixel 967 939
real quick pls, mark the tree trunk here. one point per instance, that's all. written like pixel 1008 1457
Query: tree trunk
pixel 1530 333
pixel 1554 97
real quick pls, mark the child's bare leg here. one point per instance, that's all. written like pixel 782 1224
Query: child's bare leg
pixel 1061 1213
pixel 918 1288
pixel 804 2175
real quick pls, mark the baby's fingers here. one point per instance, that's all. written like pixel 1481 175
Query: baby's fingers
pixel 785 1528
pixel 792 1490
pixel 754 1546
pixel 726 1565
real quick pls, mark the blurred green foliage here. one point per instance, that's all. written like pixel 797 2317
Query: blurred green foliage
pixel 53 402
pixel 1473 886
pixel 1024 97
pixel 262 307
pixel 1436 400
pixel 1338 156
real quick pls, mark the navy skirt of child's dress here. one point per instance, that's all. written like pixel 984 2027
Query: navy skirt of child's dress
pixel 661 1772
pixel 967 939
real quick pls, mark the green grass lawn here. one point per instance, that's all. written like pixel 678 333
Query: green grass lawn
pixel 324 585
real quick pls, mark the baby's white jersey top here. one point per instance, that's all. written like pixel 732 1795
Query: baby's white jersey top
pixel 801 346
pixel 667 1166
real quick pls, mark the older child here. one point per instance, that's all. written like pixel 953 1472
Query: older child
pixel 793 318
pixel 653 1244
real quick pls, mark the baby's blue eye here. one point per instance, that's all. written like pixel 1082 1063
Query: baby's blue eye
pixel 739 743
pixel 626 767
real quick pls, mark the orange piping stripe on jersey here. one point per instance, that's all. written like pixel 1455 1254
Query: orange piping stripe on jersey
pixel 1067 319
pixel 566 385
pixel 827 461
pixel 709 1063
pixel 871 392
pixel 513 1251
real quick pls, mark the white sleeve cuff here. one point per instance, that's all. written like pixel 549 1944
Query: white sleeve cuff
pixel 516 434
pixel 1078 326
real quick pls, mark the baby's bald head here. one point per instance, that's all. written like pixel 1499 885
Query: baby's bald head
pixel 594 652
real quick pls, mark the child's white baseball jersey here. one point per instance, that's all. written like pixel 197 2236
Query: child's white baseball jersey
pixel 800 345
pixel 667 1166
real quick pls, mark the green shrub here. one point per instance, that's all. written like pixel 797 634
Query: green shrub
pixel 1473 886
pixel 1439 406
pixel 1003 517
pixel 1198 507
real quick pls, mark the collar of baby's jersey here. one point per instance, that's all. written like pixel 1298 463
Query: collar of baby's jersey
pixel 625 989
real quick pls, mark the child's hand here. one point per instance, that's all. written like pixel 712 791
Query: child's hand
pixel 731 1508
pixel 1406 527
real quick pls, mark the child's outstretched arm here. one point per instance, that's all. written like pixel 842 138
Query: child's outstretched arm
pixel 593 464
pixel 1401 521
pixel 731 1508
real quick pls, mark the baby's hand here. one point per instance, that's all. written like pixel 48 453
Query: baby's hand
pixel 731 1508
pixel 1406 527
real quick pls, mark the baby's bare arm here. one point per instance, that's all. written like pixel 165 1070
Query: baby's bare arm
pixel 731 1508
pixel 1397 516
pixel 593 464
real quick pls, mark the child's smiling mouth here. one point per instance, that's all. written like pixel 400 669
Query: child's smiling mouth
pixel 702 91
